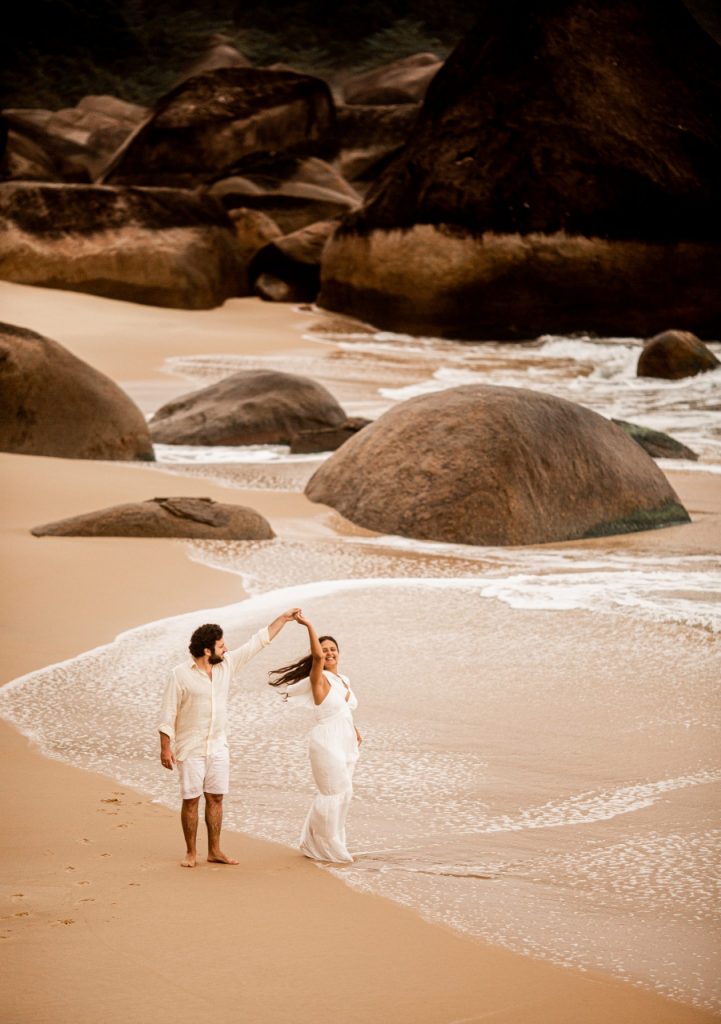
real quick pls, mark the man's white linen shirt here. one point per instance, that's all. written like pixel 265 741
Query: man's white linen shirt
pixel 194 709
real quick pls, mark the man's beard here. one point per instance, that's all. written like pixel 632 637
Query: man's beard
pixel 215 659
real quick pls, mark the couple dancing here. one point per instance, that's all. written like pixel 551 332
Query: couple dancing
pixel 193 740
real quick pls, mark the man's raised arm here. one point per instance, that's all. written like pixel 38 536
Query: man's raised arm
pixel 262 638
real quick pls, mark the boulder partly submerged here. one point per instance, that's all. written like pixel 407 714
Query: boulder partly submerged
pixel 656 443
pixel 248 407
pixel 161 247
pixel 495 466
pixel 52 403
pixel 192 518
pixel 536 194
pixel 673 355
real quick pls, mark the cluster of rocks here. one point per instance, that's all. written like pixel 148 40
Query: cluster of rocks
pixel 230 185
pixel 535 189
pixel 52 403
pixel 475 465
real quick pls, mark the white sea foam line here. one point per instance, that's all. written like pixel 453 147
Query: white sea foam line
pixel 181 454
pixel 587 808
pixel 190 617
pixel 606 590
pixel 268 603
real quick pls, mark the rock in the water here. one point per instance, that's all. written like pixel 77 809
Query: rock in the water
pixel 199 518
pixel 491 465
pixel 535 194
pixel 655 442
pixel 404 81
pixel 288 268
pixel 52 403
pixel 162 247
pixel 327 439
pixel 249 407
pixel 217 121
pixel 673 355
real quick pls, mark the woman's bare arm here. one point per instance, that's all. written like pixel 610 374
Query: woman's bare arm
pixel 318 682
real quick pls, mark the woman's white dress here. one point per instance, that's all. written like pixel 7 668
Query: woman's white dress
pixel 333 749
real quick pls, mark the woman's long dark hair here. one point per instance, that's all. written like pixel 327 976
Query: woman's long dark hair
pixel 298 669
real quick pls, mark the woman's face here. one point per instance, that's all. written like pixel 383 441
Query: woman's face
pixel 331 655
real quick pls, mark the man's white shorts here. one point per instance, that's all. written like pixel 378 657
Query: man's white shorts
pixel 200 775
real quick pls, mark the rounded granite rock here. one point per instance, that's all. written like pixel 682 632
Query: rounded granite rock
pixel 495 466
pixel 52 403
pixel 249 407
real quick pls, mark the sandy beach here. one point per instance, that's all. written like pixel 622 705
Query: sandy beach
pixel 98 920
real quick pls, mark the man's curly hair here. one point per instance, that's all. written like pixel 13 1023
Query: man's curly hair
pixel 204 637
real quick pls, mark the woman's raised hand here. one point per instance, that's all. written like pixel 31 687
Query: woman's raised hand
pixel 300 617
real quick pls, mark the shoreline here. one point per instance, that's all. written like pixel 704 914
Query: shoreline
pixel 90 881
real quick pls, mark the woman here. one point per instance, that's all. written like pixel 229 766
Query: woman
pixel 314 681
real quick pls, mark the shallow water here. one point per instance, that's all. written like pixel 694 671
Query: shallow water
pixel 541 765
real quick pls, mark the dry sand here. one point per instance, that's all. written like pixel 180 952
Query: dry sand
pixel 98 920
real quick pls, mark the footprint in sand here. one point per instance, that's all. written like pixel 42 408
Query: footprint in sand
pixel 87 899
pixel 63 920
pixel 120 826
pixel 133 883
pixel 110 800
pixel 106 855
pixel 22 913
pixel 84 882
pixel 85 842
pixel 18 895
pixel 69 867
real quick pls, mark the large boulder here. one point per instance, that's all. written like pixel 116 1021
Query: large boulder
pixel 535 193
pixel 404 81
pixel 222 121
pixel 196 518
pixel 163 247
pixel 52 403
pixel 491 465
pixel 672 355
pixel 249 407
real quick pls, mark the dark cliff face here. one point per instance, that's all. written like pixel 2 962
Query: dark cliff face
pixel 597 117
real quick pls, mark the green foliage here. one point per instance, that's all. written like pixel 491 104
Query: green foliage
pixel 61 50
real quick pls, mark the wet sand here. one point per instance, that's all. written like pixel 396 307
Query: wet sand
pixel 98 921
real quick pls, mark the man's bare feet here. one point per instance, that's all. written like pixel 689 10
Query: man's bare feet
pixel 220 858
pixel 188 860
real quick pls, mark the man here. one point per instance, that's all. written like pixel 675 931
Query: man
pixel 192 720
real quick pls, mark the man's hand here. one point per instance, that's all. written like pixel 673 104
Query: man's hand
pixel 277 624
pixel 167 757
